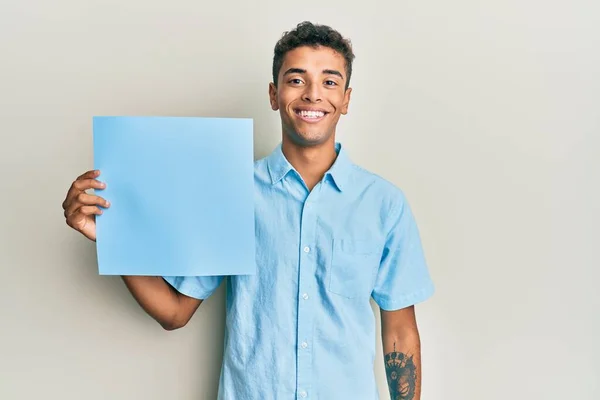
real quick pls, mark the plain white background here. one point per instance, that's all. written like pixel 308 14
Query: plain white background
pixel 485 113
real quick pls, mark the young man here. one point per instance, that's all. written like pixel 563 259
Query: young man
pixel 330 235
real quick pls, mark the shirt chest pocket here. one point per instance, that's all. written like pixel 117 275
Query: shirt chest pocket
pixel 353 266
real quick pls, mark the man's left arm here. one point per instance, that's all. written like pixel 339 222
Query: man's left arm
pixel 402 353
pixel 402 281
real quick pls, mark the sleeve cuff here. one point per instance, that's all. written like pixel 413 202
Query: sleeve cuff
pixel 413 298
pixel 184 287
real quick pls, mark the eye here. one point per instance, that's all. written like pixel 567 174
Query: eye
pixel 330 83
pixel 296 81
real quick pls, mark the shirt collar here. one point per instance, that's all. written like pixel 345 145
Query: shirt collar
pixel 339 172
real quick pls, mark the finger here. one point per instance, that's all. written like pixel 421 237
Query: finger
pixel 78 220
pixel 84 199
pixel 89 174
pixel 79 186
pixel 90 210
pixel 82 185
pixel 78 217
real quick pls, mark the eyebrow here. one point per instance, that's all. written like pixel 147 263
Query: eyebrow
pixel 303 71
pixel 333 72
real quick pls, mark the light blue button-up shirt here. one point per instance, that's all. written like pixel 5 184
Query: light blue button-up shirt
pixel 302 327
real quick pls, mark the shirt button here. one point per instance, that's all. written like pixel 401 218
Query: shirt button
pixel 303 394
pixel 305 296
pixel 304 345
pixel 306 249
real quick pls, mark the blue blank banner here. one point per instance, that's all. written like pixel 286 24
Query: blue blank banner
pixel 181 191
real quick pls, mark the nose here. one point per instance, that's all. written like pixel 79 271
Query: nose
pixel 312 93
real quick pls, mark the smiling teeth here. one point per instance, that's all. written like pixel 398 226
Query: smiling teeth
pixel 311 114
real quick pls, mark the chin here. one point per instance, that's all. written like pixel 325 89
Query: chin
pixel 308 138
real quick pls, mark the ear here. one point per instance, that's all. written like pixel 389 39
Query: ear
pixel 273 97
pixel 346 101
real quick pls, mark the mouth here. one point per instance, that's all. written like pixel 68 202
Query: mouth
pixel 310 115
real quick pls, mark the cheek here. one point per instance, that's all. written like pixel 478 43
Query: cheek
pixel 338 101
pixel 284 100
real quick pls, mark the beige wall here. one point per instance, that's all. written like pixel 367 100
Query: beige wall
pixel 485 113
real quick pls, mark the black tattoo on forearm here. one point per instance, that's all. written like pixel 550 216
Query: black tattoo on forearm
pixel 401 375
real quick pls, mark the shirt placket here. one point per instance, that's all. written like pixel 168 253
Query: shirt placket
pixel 306 296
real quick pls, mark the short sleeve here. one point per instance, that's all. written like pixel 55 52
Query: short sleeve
pixel 403 278
pixel 199 287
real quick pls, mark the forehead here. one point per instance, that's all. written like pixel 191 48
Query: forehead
pixel 314 59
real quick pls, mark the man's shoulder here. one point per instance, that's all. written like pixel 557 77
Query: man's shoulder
pixel 260 164
pixel 385 195
pixel 382 186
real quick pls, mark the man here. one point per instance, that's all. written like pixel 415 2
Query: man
pixel 330 235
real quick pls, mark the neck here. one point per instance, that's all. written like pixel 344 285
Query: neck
pixel 310 162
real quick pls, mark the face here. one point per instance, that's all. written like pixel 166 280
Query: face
pixel 310 94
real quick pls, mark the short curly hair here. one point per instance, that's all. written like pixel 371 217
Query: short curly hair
pixel 314 35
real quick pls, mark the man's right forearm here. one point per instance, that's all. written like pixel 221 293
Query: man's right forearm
pixel 161 301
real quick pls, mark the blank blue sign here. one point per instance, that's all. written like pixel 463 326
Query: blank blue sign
pixel 181 192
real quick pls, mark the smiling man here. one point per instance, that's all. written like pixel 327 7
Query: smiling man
pixel 329 237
